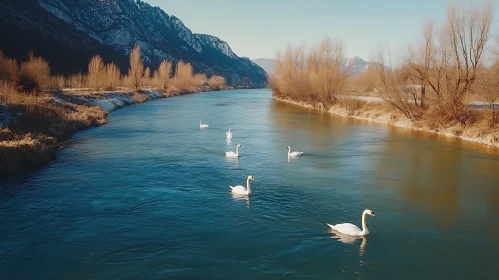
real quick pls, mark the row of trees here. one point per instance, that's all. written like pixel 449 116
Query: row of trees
pixel 435 78
pixel 33 75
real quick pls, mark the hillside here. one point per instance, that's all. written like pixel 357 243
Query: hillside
pixel 69 32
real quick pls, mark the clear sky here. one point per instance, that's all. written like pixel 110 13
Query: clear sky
pixel 258 28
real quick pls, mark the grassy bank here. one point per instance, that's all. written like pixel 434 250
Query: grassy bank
pixel 383 113
pixel 38 126
pixel 39 110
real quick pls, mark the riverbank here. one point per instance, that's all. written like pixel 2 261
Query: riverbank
pixel 34 130
pixel 382 113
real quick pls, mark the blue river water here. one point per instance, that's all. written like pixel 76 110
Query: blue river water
pixel 147 196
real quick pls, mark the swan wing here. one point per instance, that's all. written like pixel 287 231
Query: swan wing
pixel 230 154
pixel 346 228
pixel 239 189
pixel 294 154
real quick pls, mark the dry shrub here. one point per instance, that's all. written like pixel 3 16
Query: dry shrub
pixel 9 70
pixel 146 80
pixel 316 76
pixel 34 74
pixel 96 71
pixel 163 75
pixel 136 70
pixel 216 82
pixel 57 82
pixel 25 150
pixel 199 80
pixel 113 76
pixel 184 78
pixel 9 92
pixel 77 81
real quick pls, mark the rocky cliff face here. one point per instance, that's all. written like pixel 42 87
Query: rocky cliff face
pixel 112 28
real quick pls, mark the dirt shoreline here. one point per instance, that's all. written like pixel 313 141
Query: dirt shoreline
pixel 390 118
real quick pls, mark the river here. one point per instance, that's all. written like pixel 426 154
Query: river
pixel 147 197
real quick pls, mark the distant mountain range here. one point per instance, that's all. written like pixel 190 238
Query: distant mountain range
pixel 356 65
pixel 69 32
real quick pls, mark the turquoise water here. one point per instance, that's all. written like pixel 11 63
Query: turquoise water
pixel 147 197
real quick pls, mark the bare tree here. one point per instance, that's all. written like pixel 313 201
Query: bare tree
pixel 136 70
pixel 146 80
pixel 290 77
pixel 164 73
pixel 389 87
pixel 95 72
pixel 183 79
pixel 465 36
pixel 422 62
pixel 113 76
pixel 325 73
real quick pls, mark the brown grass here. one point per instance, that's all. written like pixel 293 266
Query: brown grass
pixel 25 151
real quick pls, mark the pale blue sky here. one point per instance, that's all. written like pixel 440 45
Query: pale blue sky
pixel 258 28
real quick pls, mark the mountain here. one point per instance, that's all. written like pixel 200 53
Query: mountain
pixel 266 63
pixel 69 32
pixel 355 65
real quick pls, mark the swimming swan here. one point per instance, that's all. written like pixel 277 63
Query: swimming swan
pixel 241 189
pixel 351 229
pixel 293 154
pixel 229 134
pixel 201 125
pixel 232 154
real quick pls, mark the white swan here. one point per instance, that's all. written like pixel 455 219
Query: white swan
pixel 201 125
pixel 229 134
pixel 293 154
pixel 351 229
pixel 241 189
pixel 232 154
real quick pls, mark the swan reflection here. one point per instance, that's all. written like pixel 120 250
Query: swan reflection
pixel 242 198
pixel 233 161
pixel 349 239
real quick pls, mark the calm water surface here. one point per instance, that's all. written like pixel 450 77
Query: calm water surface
pixel 147 197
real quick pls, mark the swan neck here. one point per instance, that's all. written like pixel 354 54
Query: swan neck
pixel 289 151
pixel 364 225
pixel 248 185
pixel 237 153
